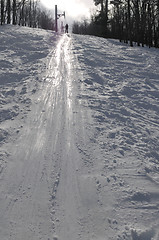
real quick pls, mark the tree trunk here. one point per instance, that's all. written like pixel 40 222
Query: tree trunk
pixel 30 15
pixel 129 24
pixel 149 26
pixel 2 12
pixel 106 15
pixel 137 22
pixel 102 6
pixel 22 12
pixel 157 31
pixel 14 12
pixel 8 12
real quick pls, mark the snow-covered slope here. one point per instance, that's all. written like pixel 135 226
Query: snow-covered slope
pixel 79 138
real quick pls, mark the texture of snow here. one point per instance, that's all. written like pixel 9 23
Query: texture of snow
pixel 79 138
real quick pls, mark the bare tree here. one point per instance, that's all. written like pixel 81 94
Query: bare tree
pixel 25 13
pixel 138 20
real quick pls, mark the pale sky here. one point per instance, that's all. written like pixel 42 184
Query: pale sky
pixel 75 9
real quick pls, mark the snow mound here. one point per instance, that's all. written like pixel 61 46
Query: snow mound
pixel 6 114
pixel 3 156
pixel 142 235
pixel 3 135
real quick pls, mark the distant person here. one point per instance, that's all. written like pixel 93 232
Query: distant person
pixel 66 28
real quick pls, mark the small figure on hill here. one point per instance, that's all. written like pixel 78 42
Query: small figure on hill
pixel 66 28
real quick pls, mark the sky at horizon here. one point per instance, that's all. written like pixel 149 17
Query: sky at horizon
pixel 75 9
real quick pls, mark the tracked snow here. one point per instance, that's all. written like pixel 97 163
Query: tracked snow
pixel 79 138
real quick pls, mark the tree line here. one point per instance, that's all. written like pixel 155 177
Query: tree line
pixel 131 21
pixel 25 13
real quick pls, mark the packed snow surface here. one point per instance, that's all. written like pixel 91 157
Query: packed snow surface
pixel 79 138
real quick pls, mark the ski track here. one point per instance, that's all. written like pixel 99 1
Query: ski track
pixel 44 157
pixel 84 163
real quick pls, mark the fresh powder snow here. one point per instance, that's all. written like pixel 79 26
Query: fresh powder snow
pixel 79 137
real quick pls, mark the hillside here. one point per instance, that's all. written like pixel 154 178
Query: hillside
pixel 79 137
